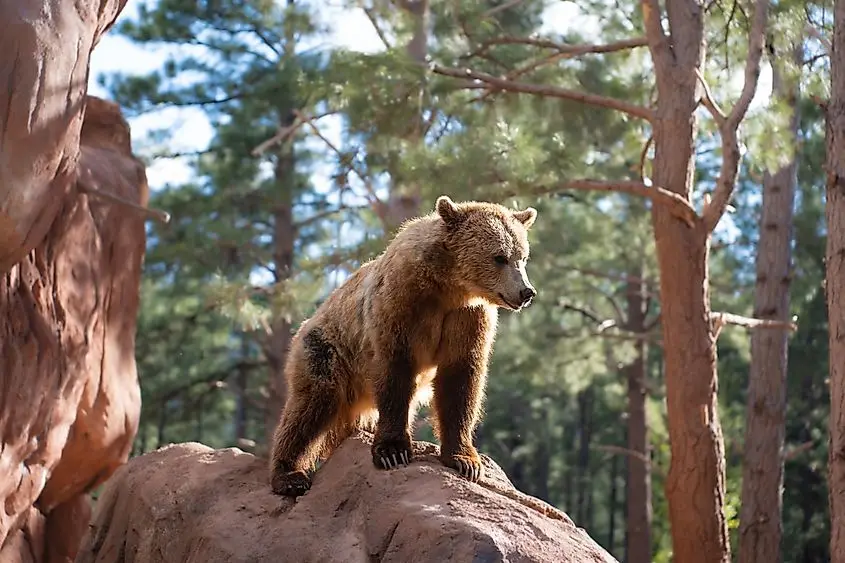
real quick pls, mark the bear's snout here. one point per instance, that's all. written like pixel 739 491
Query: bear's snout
pixel 527 295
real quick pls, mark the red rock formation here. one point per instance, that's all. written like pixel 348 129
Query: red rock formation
pixel 46 46
pixel 69 395
pixel 190 503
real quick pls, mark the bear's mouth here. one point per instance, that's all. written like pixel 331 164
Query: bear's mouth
pixel 510 305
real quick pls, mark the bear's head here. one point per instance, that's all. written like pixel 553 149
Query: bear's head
pixel 489 247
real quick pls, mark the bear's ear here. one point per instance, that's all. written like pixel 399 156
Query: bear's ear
pixel 447 210
pixel 526 216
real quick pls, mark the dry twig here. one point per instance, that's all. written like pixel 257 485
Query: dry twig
pixel 85 187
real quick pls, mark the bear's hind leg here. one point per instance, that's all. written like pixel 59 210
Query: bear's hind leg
pixel 298 439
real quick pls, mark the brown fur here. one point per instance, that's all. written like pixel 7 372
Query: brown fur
pixel 418 320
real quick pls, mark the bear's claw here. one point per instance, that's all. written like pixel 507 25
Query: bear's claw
pixel 469 468
pixel 291 484
pixel 389 454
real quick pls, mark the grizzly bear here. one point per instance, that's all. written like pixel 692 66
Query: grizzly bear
pixel 418 320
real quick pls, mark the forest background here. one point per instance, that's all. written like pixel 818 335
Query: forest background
pixel 289 141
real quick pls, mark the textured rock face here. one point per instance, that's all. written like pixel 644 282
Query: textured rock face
pixel 46 46
pixel 69 395
pixel 189 503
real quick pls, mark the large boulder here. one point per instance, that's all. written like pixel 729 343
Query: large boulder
pixel 69 394
pixel 190 503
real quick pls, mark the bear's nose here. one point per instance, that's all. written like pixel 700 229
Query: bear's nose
pixel 526 295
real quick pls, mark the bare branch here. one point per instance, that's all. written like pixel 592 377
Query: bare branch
pixel 678 206
pixel 323 214
pixel 285 132
pixel 643 156
pixel 562 52
pixel 795 451
pixel 501 7
pixel 584 313
pixel 365 178
pixel 710 102
pixel 620 450
pixel 371 16
pixel 84 187
pixel 719 320
pixel 726 182
pixel 568 50
pixel 815 33
pixel 609 276
pixel 549 91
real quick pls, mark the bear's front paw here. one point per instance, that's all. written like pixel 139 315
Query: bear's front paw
pixel 388 454
pixel 468 466
pixel 291 484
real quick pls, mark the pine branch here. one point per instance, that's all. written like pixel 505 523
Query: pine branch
pixel 816 34
pixel 586 313
pixel 501 7
pixel 504 84
pixel 365 178
pixel 709 101
pixel 567 50
pixel 377 28
pixel 561 52
pixel 323 214
pixel 795 451
pixel 621 450
pixel 677 205
pixel 720 320
pixel 729 171
pixel 285 132
pixel 616 277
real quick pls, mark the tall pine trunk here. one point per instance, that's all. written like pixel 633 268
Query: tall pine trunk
pixel 611 504
pixel 762 470
pixel 695 485
pixel 639 469
pixel 284 235
pixel 835 283
pixel 585 431
pixel 404 199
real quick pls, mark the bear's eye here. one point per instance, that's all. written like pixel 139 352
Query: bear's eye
pixel 501 259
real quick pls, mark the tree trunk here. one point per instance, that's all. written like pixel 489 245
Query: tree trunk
pixel 241 404
pixel 639 469
pixel 762 469
pixel 611 505
pixel 569 434
pixel 835 283
pixel 695 485
pixel 198 429
pixel 162 424
pixel 541 465
pixel 585 408
pixel 404 199
pixel 284 234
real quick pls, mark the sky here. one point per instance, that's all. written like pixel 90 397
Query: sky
pixel 350 29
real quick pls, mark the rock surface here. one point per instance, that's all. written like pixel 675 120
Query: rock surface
pixel 189 503
pixel 69 395
pixel 46 46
